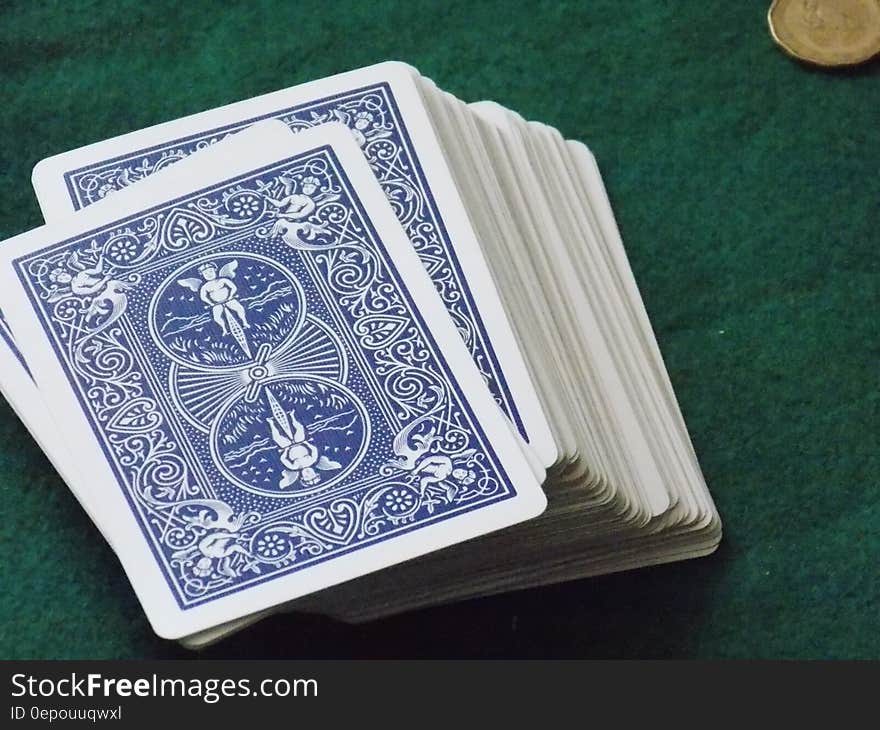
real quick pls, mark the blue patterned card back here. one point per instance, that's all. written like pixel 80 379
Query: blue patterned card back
pixel 262 387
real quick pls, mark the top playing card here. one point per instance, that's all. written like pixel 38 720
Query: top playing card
pixel 268 378
pixel 382 109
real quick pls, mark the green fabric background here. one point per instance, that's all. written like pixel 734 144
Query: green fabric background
pixel 746 187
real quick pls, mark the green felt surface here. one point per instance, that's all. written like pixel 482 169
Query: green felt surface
pixel 747 190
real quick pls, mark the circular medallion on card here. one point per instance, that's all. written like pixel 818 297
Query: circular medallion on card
pixel 827 32
pixel 296 436
pixel 220 311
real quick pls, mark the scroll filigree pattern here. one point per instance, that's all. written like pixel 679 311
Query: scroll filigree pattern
pixel 266 403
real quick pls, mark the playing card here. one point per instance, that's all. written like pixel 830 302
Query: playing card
pixel 260 382
pixel 385 114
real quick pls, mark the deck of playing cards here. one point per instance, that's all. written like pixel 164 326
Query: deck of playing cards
pixel 352 347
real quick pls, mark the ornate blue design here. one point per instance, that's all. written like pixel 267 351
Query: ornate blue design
pixel 218 312
pixel 259 380
pixel 372 115
pixel 308 435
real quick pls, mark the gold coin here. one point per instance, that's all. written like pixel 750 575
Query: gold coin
pixel 827 32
